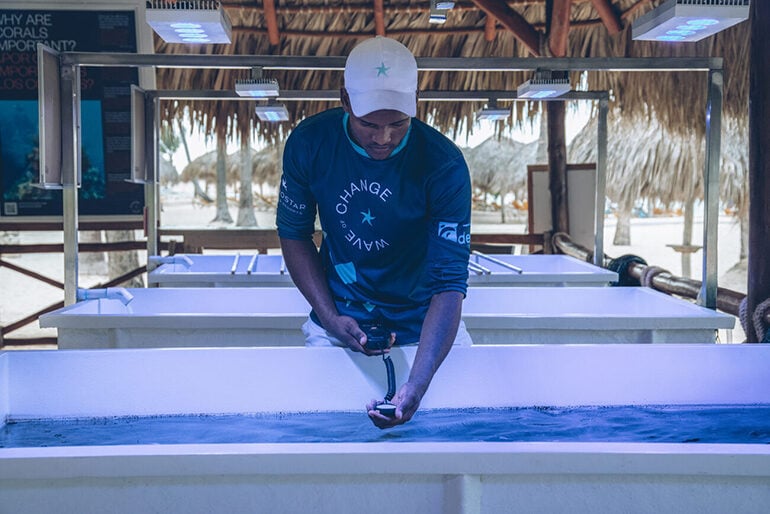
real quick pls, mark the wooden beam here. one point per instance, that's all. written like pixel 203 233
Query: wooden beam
pixel 379 18
pixel 759 164
pixel 558 39
pixel 271 20
pixel 608 16
pixel 558 31
pixel 513 21
pixel 557 165
pixel 489 28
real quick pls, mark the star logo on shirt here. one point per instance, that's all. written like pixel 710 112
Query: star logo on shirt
pixel 283 183
pixel 367 217
pixel 382 70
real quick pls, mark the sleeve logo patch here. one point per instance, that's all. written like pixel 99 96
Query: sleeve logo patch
pixel 447 231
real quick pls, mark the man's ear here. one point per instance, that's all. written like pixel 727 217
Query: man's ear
pixel 345 99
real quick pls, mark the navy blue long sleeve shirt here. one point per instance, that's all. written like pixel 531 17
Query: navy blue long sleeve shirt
pixel 395 231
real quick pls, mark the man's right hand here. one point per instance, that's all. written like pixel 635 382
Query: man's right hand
pixel 348 332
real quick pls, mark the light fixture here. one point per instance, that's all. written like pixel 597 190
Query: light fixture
pixel 545 84
pixel 438 11
pixel 189 21
pixel 492 112
pixel 437 17
pixel 272 112
pixel 256 86
pixel 689 20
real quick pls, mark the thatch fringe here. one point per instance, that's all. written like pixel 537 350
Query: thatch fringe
pixel 677 100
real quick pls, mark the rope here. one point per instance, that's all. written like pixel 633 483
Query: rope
pixel 620 266
pixel 758 318
pixel 743 314
pixel 649 273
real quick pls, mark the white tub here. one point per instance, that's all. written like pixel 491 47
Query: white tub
pixel 258 270
pixel 273 316
pixel 382 477
pixel 237 270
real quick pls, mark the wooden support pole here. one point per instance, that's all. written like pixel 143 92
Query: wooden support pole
pixel 557 165
pixel 271 20
pixel 608 16
pixel 489 28
pixel 759 162
pixel 514 22
pixel 379 18
pixel 558 38
pixel 558 30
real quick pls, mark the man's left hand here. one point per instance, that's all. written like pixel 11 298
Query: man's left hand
pixel 407 401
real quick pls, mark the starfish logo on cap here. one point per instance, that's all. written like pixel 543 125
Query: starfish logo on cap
pixel 382 70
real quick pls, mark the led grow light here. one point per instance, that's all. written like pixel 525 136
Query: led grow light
pixel 492 112
pixel 543 85
pixel 257 88
pixel 438 11
pixel 689 20
pixel 437 17
pixel 272 112
pixel 190 22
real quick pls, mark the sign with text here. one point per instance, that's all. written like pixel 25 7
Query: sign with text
pixel 105 111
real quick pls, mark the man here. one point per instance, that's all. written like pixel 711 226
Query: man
pixel 393 197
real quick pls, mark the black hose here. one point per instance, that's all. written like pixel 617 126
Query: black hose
pixel 620 266
pixel 391 377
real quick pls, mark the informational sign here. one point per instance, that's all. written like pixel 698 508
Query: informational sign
pixel 581 201
pixel 105 111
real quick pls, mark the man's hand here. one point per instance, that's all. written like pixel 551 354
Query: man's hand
pixel 349 333
pixel 407 401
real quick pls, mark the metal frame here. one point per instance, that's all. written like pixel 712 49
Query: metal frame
pixel 71 61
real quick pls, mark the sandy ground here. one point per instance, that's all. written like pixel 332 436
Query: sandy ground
pixel 20 295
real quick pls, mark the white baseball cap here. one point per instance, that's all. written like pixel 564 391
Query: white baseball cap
pixel 380 74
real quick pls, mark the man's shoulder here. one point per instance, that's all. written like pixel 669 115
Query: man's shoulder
pixel 433 144
pixel 314 134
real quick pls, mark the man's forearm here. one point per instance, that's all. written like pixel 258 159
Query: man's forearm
pixel 304 265
pixel 436 337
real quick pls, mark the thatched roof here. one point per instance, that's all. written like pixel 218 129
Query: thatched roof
pixel 647 160
pixel 499 165
pixel 266 166
pixel 320 28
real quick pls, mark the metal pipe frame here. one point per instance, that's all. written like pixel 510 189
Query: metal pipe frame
pixel 601 182
pixel 151 196
pixel 708 292
pixel 334 95
pixel 713 65
pixel 503 64
pixel 70 175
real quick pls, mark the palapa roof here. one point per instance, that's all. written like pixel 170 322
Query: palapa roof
pixel 265 166
pixel 515 28
pixel 645 159
pixel 499 165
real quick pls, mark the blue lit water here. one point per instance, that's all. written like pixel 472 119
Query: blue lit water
pixel 663 424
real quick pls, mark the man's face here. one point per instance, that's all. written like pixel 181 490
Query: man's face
pixel 379 132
